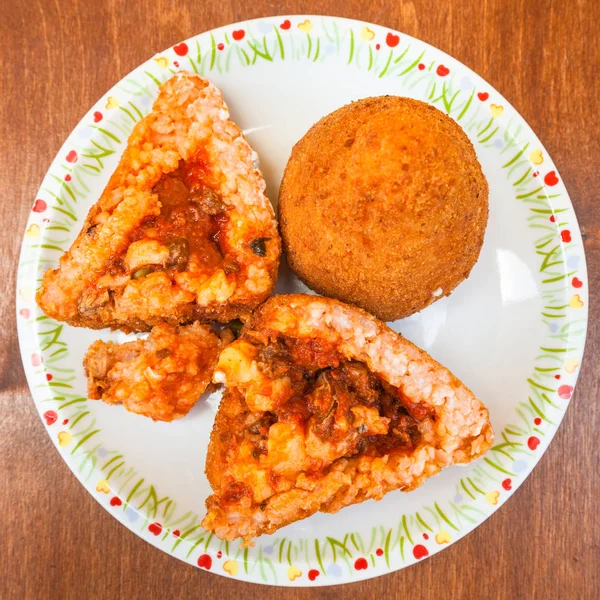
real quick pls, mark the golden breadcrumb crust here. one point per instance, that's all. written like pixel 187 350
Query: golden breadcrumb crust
pixel 383 204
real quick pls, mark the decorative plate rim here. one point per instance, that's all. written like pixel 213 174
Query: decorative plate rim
pixel 292 575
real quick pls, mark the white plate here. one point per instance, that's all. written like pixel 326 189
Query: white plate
pixel 513 332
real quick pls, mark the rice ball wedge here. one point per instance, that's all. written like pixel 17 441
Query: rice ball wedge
pixel 182 232
pixel 324 407
pixel 161 377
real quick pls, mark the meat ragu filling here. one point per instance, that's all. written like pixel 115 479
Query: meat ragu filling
pixel 186 231
pixel 343 408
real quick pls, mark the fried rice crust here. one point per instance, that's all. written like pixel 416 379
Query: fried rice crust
pixel 188 130
pixel 255 495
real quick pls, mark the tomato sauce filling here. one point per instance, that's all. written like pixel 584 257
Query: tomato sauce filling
pixel 189 225
pixel 328 388
pixel 191 217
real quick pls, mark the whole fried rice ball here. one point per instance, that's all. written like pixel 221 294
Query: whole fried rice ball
pixel 383 204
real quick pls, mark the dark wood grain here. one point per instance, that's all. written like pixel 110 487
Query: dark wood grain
pixel 58 58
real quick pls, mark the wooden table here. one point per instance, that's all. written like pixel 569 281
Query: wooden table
pixel 58 58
